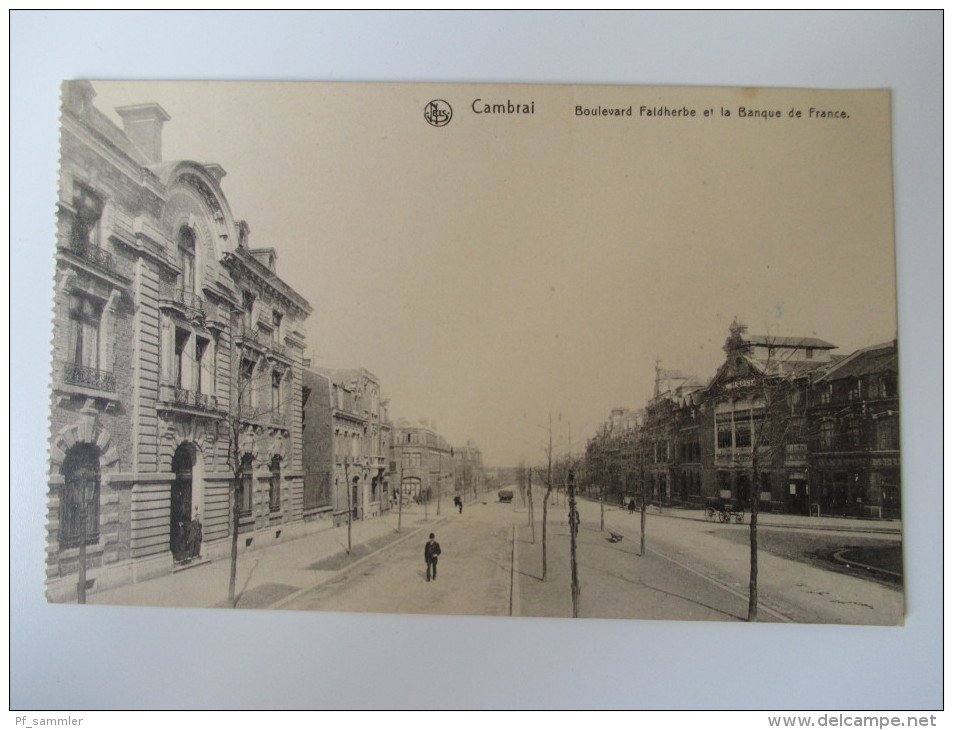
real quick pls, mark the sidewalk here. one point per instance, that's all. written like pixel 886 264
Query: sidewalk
pixel 769 519
pixel 268 575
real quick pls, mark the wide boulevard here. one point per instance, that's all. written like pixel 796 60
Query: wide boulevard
pixel 692 569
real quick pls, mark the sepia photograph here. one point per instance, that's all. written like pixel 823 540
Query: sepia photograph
pixel 597 352
pixel 476 360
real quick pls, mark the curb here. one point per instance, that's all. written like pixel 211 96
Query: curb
pixel 839 557
pixel 720 584
pixel 876 530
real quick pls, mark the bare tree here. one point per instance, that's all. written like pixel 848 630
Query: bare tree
pixel 776 394
pixel 547 479
pixel 238 423
pixel 529 501
pixel 242 423
pixel 350 506
pixel 573 531
pixel 400 497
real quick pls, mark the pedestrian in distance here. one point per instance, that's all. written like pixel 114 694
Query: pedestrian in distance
pixel 631 506
pixel 431 551
pixel 458 503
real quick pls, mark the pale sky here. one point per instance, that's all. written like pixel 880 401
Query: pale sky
pixel 503 267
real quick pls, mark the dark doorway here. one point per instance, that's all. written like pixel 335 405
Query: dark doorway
pixel 181 507
pixel 800 497
pixel 79 503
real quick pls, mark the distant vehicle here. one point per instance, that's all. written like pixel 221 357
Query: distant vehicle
pixel 505 495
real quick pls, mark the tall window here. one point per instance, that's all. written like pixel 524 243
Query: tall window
pixel 248 311
pixel 276 392
pixel 743 434
pixel 274 485
pixel 724 436
pixel 79 500
pixel 244 496
pixel 179 364
pixel 853 390
pixel 246 390
pixel 84 318
pixel 186 260
pixel 854 434
pixel 89 209
pixel 827 434
pixel 888 434
pixel 203 366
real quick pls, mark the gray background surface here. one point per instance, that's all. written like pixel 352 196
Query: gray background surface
pixel 68 657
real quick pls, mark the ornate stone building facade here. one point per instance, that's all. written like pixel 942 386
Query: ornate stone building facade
pixel 165 325
pixel 819 431
pixel 854 454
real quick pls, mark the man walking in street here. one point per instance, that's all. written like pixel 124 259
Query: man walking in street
pixel 431 551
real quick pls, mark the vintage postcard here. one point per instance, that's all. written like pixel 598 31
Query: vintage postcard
pixel 506 350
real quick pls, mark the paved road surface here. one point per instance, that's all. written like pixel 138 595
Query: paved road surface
pixel 474 571
pixel 692 570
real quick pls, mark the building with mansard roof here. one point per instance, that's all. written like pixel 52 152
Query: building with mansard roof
pixel 854 454
pixel 177 350
pixel 820 432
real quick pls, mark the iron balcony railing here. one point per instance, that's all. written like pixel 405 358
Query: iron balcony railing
pixel 250 337
pixel 280 350
pixel 98 257
pixel 186 300
pixel 190 398
pixel 89 377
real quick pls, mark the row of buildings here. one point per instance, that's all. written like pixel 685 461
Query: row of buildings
pixel 182 403
pixel 819 431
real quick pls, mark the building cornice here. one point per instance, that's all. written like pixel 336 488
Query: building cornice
pixel 243 265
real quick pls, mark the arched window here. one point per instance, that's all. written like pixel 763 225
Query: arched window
pixel 274 485
pixel 79 500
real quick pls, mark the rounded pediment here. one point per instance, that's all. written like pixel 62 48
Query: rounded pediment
pixel 197 202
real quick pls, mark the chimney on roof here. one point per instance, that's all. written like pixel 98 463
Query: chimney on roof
pixel 142 123
pixel 78 96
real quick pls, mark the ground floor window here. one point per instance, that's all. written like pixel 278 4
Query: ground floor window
pixel 244 495
pixel 274 485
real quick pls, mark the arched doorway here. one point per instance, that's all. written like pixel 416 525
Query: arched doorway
pixel 180 511
pixel 79 500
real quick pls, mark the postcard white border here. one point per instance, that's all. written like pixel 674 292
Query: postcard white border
pixel 72 658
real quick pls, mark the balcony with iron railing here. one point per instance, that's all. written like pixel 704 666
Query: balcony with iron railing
pixel 88 377
pixel 187 399
pixel 97 257
pixel 279 350
pixel 248 336
pixel 187 302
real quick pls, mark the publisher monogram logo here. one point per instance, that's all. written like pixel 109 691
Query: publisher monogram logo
pixel 438 113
